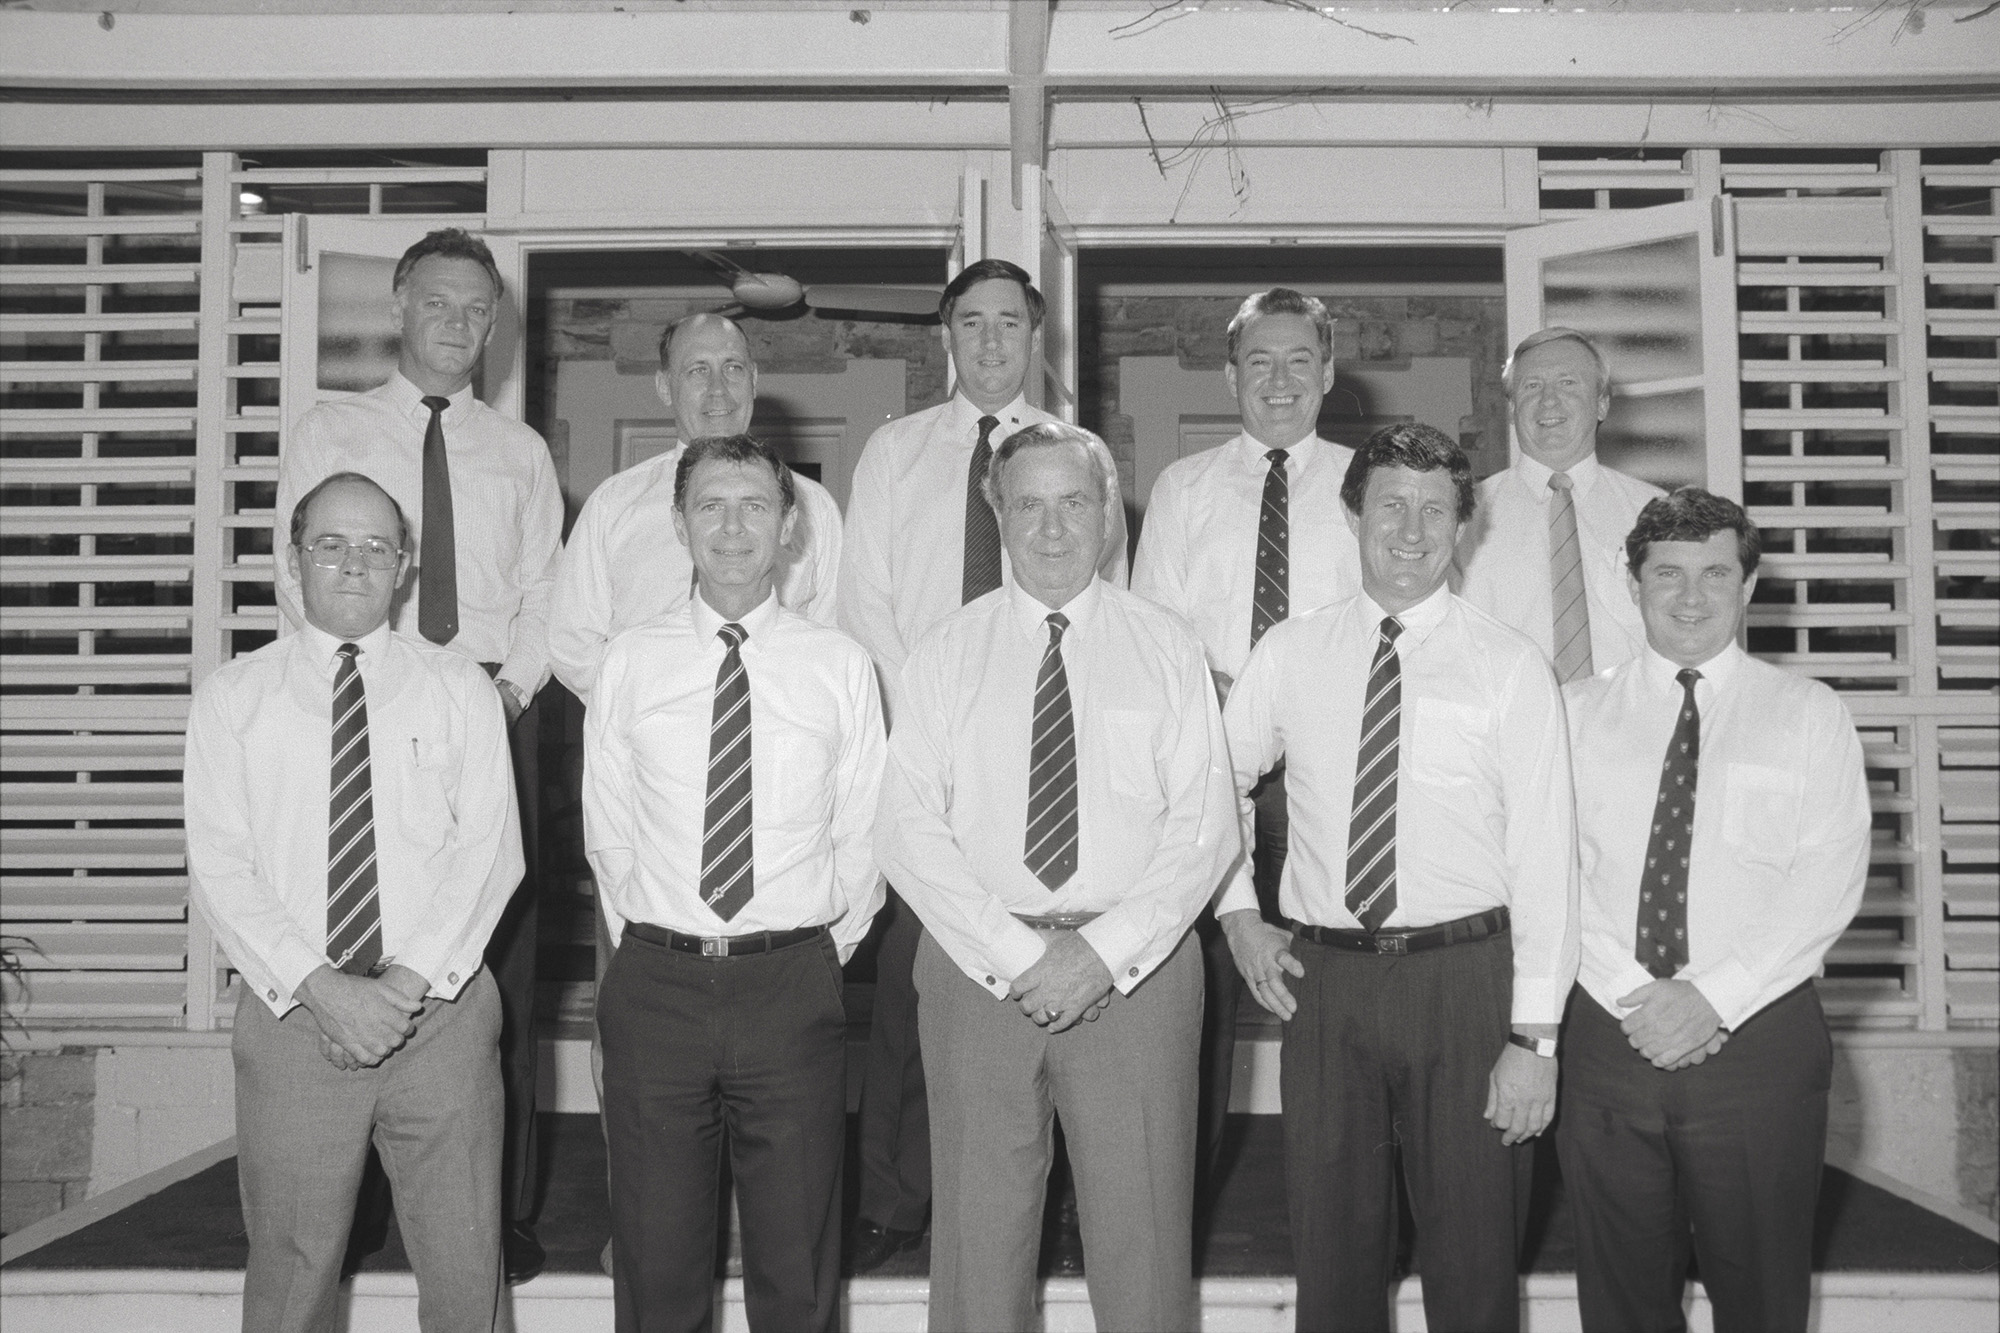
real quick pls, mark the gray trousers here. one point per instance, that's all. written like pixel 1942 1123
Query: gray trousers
pixel 1125 1089
pixel 433 1110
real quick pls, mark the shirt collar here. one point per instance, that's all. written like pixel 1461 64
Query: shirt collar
pixel 1535 475
pixel 1661 672
pixel 411 399
pixel 1251 451
pixel 1418 621
pixel 708 622
pixel 322 648
pixel 1030 614
pixel 963 418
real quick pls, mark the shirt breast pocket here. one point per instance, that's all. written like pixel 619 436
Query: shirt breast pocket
pixel 1131 750
pixel 798 786
pixel 428 810
pixel 1760 811
pixel 1445 739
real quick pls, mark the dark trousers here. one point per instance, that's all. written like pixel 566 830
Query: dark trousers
pixel 895 1112
pixel 1225 983
pixel 1387 1053
pixel 510 956
pixel 696 1049
pixel 1729 1150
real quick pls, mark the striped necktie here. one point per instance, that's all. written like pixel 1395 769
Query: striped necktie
pixel 1050 849
pixel 726 878
pixel 1662 944
pixel 1572 611
pixel 353 910
pixel 437 573
pixel 1371 829
pixel 982 530
pixel 1270 600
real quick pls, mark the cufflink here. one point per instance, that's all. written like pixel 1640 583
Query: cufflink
pixel 1132 972
pixel 452 979
pixel 991 982
pixel 273 994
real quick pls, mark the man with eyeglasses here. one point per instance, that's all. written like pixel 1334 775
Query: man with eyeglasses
pixel 352 840
pixel 486 514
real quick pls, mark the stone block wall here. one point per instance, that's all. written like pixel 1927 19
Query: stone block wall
pixel 46 1132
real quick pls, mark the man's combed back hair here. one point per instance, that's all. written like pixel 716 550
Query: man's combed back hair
pixel 673 331
pixel 1415 446
pixel 732 449
pixel 1691 514
pixel 1047 435
pixel 988 270
pixel 1283 301
pixel 1557 334
pixel 452 243
pixel 300 509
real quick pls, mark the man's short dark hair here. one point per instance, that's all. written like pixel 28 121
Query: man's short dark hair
pixel 989 270
pixel 673 331
pixel 732 449
pixel 451 243
pixel 1691 514
pixel 1283 301
pixel 342 478
pixel 1415 446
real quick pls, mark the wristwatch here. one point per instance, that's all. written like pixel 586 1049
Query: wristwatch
pixel 1542 1046
pixel 514 692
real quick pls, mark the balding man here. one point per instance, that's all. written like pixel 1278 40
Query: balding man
pixel 622 566
pixel 352 839
pixel 1543 554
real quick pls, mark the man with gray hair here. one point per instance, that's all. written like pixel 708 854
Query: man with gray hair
pixel 1543 552
pixel 1237 539
pixel 1057 809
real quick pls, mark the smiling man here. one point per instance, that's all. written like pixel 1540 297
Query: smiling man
pixel 1431 896
pixel 486 518
pixel 732 757
pixel 921 541
pixel 1237 539
pixel 1057 810
pixel 1545 552
pixel 352 840
pixel 1714 881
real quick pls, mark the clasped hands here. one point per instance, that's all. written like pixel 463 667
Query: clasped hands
pixel 1068 983
pixel 363 1020
pixel 1672 1024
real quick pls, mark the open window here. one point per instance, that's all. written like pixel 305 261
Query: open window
pixel 1656 288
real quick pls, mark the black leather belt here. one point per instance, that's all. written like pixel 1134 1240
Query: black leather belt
pixel 1057 920
pixel 1466 929
pixel 722 946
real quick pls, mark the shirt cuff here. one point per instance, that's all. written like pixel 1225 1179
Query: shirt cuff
pixel 1122 948
pixel 296 960
pixel 1730 990
pixel 1239 891
pixel 1536 1000
pixel 1020 950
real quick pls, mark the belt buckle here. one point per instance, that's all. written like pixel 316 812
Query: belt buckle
pixel 713 947
pixel 1391 944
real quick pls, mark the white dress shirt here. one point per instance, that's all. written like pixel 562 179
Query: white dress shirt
pixel 259 765
pixel 623 567
pixel 507 513
pixel 1155 826
pixel 1198 546
pixel 816 755
pixel 1781 825
pixel 1504 554
pixel 1483 808
pixel 902 563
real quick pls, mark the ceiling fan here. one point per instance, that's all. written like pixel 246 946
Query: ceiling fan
pixel 768 292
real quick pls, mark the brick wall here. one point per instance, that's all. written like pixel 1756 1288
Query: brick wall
pixel 46 1130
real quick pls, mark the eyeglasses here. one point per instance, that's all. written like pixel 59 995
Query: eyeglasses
pixel 331 552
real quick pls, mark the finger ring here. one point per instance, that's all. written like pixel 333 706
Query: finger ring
pixel 1048 1015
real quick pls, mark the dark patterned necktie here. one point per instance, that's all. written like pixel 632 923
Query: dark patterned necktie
pixel 1571 609
pixel 982 531
pixel 726 878
pixel 1050 848
pixel 353 911
pixel 1371 829
pixel 1662 945
pixel 1270 600
pixel 437 574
